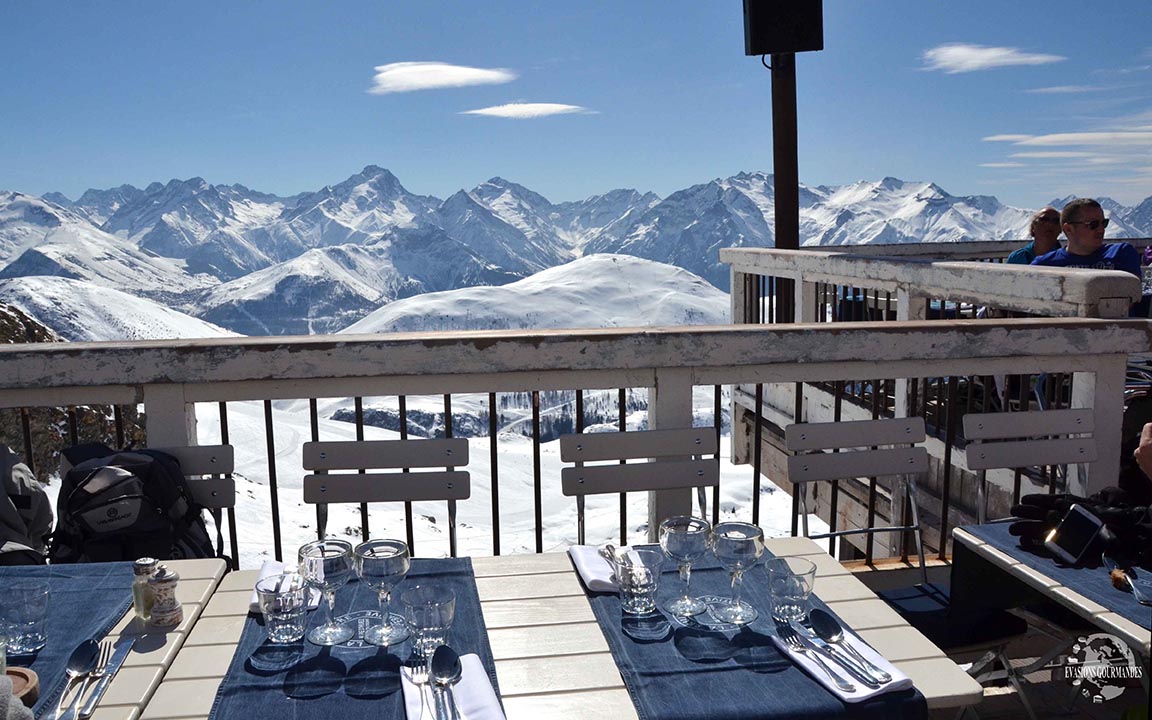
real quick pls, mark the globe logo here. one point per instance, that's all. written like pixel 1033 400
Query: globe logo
pixel 1099 666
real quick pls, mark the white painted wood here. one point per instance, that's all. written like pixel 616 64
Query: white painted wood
pixel 1103 392
pixel 1026 453
pixel 860 463
pixel 380 454
pixel 1032 424
pixel 859 433
pixel 171 417
pixel 387 487
pixel 592 447
pixel 669 408
pixel 658 475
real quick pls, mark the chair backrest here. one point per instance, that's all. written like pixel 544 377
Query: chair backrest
pixel 668 459
pixel 209 469
pixel 1026 439
pixel 400 485
pixel 875 448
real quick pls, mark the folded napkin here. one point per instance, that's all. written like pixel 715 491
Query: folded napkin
pixel 900 681
pixel 272 567
pixel 475 698
pixel 594 570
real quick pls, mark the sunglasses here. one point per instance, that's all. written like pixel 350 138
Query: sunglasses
pixel 1092 224
pixel 1049 219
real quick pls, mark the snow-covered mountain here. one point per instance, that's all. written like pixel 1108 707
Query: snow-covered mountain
pixel 80 311
pixel 594 291
pixel 376 242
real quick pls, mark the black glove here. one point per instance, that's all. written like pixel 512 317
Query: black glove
pixel 1127 531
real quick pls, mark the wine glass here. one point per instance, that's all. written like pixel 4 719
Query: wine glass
pixel 381 565
pixel 327 566
pixel 737 546
pixel 685 540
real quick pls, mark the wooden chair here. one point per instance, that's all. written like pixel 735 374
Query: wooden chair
pixel 892 451
pixel 1010 440
pixel 672 459
pixel 400 485
pixel 209 470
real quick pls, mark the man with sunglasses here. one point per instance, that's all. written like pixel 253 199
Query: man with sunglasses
pixel 1045 232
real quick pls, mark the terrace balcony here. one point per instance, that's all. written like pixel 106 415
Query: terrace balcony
pixel 879 336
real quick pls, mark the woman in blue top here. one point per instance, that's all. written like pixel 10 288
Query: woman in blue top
pixel 1045 230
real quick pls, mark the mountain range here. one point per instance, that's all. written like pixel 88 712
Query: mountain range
pixel 256 263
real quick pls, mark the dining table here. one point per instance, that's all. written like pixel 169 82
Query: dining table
pixel 153 649
pixel 550 654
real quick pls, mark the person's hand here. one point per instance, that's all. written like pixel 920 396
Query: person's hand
pixel 1143 451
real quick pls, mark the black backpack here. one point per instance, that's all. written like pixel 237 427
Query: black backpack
pixel 124 505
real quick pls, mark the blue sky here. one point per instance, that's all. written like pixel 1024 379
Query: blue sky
pixel 1026 101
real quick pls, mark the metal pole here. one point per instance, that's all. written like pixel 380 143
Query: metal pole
pixel 786 172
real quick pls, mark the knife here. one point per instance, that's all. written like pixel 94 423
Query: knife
pixel 843 660
pixel 1111 564
pixel 118 658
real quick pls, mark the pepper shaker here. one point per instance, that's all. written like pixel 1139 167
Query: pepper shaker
pixel 166 609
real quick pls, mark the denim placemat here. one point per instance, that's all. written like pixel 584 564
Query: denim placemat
pixel 696 673
pixel 85 600
pixel 302 681
pixel 1091 581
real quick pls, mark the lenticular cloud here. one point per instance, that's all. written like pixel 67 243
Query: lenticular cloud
pixel 962 57
pixel 526 111
pixel 409 76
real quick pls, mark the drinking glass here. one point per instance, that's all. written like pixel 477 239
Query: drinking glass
pixel 638 575
pixel 327 566
pixel 430 610
pixel 284 602
pixel 737 546
pixel 685 540
pixel 790 581
pixel 23 609
pixel 381 565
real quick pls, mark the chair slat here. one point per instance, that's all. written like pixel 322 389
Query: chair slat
pixel 384 454
pixel 865 463
pixel 1009 425
pixel 1026 453
pixel 590 447
pixel 855 433
pixel 658 475
pixel 213 492
pixel 203 459
pixel 387 487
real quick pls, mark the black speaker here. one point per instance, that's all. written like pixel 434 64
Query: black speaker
pixel 783 26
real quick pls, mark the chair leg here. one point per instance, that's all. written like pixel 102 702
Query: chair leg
pixel 802 488
pixel 1017 683
pixel 702 499
pixel 912 493
pixel 452 527
pixel 580 519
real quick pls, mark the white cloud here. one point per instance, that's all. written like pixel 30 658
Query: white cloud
pixel 527 111
pixel 1118 137
pixel 963 57
pixel 1064 89
pixel 1052 154
pixel 1006 138
pixel 409 76
pixel 1002 165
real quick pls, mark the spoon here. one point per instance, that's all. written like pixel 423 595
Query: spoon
pixel 829 630
pixel 81 662
pixel 446 671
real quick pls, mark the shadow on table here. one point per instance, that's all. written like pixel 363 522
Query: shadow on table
pixel 309 676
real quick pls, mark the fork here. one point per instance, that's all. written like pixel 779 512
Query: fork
pixel 72 712
pixel 792 639
pixel 99 671
pixel 418 673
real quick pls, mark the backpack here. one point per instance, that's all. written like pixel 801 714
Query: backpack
pixel 25 513
pixel 124 505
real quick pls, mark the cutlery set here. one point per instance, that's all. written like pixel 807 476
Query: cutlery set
pixel 91 661
pixel 821 637
pixel 438 674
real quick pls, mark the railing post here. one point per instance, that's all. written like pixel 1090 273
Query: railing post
pixel 669 406
pixel 805 301
pixel 171 421
pixel 909 306
pixel 1103 392
pixel 738 294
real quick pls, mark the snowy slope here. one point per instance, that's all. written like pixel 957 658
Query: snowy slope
pixel 594 291
pixel 80 311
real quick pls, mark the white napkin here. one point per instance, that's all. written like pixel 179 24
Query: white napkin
pixel 475 698
pixel 900 681
pixel 594 570
pixel 273 567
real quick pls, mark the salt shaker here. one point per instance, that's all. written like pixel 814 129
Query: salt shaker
pixel 142 596
pixel 166 609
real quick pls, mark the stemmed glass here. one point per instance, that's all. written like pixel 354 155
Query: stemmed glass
pixel 327 565
pixel 381 565
pixel 737 546
pixel 685 540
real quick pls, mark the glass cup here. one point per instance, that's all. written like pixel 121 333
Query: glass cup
pixel 381 565
pixel 790 581
pixel 327 566
pixel 685 540
pixel 284 602
pixel 23 609
pixel 737 546
pixel 638 575
pixel 430 610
